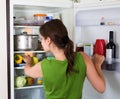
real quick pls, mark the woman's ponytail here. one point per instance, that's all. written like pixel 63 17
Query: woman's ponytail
pixel 69 53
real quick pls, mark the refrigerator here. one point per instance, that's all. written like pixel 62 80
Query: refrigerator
pixel 21 19
pixel 88 29
pixel 83 24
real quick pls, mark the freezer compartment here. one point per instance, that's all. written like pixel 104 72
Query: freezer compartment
pixel 35 93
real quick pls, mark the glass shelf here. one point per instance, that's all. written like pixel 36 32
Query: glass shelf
pixel 30 87
pixel 19 67
pixel 111 65
pixel 115 25
pixel 24 26
pixel 41 51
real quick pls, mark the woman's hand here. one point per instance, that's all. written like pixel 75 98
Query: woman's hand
pixel 27 59
pixel 30 70
pixel 98 60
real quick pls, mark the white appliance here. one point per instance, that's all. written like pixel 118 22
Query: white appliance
pixel 82 22
pixel 21 12
pixel 88 29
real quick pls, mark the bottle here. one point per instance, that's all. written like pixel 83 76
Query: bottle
pixel 111 47
pixel 102 21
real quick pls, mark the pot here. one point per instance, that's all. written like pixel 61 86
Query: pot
pixel 25 42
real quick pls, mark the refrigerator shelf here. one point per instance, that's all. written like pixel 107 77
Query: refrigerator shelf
pixel 111 65
pixel 24 26
pixel 18 67
pixel 30 87
pixel 115 25
pixel 40 51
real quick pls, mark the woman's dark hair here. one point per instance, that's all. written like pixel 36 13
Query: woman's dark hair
pixel 58 33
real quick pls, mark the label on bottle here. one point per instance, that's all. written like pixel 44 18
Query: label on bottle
pixel 108 53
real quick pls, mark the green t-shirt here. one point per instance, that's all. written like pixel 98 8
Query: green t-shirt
pixel 57 84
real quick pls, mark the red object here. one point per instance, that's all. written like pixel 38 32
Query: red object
pixel 100 47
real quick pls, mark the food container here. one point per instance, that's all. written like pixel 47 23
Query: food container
pixel 79 47
pixel 39 81
pixel 100 47
pixel 88 49
pixel 24 22
pixel 25 42
pixel 39 19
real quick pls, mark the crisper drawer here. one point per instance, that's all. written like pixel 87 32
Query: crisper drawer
pixel 35 93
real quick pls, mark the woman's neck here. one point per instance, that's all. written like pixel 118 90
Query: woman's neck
pixel 59 54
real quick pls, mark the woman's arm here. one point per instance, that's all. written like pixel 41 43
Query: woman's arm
pixel 94 72
pixel 32 71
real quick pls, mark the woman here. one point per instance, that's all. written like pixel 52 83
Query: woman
pixel 64 76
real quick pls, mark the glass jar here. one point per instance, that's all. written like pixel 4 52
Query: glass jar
pixel 79 47
pixel 39 19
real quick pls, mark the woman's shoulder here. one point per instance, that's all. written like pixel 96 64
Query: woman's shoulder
pixel 82 56
pixel 78 54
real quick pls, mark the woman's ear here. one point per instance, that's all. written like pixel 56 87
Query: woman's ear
pixel 48 40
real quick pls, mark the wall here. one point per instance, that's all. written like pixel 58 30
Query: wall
pixel 112 87
pixel 3 50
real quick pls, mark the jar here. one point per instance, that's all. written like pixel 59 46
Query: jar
pixel 79 47
pixel 39 19
pixel 88 49
pixel 100 47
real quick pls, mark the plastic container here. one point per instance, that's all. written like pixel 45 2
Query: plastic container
pixel 24 22
pixel 79 47
pixel 100 47
pixel 39 19
pixel 88 49
pixel 48 18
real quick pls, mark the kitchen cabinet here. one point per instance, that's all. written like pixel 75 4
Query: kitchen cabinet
pixel 25 10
